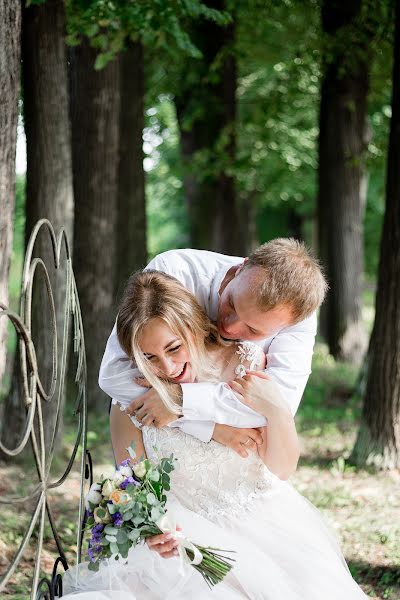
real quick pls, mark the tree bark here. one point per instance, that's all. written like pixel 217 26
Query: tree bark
pixel 342 188
pixel 378 441
pixel 131 214
pixel 10 33
pixel 48 190
pixel 95 103
pixel 206 111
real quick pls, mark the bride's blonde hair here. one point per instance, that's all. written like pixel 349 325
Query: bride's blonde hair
pixel 152 294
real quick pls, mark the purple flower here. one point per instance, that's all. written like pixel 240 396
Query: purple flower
pixel 125 463
pixel 91 555
pixel 88 513
pixel 98 528
pixel 117 519
pixel 93 550
pixel 126 482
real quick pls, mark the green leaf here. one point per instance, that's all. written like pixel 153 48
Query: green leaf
pixel 154 476
pixel 151 499
pixel 122 537
pixel 124 549
pixel 111 530
pixel 111 538
pixel 134 535
pixel 127 516
pixel 114 548
pixel 102 60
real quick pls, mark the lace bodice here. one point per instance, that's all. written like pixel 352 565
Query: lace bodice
pixel 210 479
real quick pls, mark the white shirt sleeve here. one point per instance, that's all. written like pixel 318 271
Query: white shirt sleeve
pixel 117 373
pixel 289 359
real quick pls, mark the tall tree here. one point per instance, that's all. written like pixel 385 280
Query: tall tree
pixel 10 33
pixel 95 111
pixel 131 214
pixel 205 101
pixel 49 185
pixel 342 184
pixel 378 441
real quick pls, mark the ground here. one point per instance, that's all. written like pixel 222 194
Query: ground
pixel 363 507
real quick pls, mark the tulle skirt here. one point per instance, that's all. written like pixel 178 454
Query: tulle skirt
pixel 283 551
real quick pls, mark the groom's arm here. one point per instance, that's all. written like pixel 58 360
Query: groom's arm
pixel 204 404
pixel 289 359
pixel 117 379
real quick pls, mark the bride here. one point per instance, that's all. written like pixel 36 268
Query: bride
pixel 283 548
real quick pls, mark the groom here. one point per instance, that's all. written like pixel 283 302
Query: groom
pixel 271 297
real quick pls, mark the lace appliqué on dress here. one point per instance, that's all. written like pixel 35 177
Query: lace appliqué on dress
pixel 249 353
pixel 210 479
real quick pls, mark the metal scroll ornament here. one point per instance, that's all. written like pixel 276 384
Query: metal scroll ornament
pixel 34 398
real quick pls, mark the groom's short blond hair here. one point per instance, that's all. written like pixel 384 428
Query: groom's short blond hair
pixel 292 277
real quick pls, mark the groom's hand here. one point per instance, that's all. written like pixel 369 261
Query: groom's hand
pixel 240 440
pixel 149 409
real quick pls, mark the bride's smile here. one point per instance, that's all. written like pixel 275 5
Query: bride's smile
pixel 168 355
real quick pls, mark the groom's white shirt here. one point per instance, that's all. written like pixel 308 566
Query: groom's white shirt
pixel 289 352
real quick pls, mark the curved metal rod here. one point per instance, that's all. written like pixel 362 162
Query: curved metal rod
pixel 30 399
pixel 34 394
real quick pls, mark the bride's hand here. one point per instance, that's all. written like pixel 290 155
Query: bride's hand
pixel 238 439
pixel 261 393
pixel 164 544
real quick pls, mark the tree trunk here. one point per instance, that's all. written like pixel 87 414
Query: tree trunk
pixel 378 441
pixel 48 191
pixel 95 103
pixel 206 111
pixel 131 214
pixel 342 189
pixel 10 32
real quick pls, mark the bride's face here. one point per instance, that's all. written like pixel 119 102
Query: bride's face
pixel 166 352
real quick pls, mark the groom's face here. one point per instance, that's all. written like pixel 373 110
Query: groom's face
pixel 239 316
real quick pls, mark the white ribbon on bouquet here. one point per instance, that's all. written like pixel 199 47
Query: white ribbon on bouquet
pixel 167 524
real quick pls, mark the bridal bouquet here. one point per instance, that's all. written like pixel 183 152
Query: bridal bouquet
pixel 129 506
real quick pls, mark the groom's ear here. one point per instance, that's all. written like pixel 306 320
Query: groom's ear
pixel 240 267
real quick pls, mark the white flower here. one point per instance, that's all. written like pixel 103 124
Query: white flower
pixel 102 519
pixel 108 487
pixel 118 478
pixel 94 495
pixel 139 469
pixel 126 471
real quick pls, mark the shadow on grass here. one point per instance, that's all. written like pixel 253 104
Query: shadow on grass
pixel 329 460
pixel 381 577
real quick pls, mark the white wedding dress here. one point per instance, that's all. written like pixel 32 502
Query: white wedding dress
pixel 283 548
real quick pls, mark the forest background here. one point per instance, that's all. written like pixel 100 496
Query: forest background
pixel 154 125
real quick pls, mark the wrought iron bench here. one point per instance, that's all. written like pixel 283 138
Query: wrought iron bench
pixel 34 398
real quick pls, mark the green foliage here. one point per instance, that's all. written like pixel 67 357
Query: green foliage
pixel 160 24
pixel 166 209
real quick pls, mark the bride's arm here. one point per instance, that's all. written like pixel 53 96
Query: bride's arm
pixel 280 450
pixel 123 433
